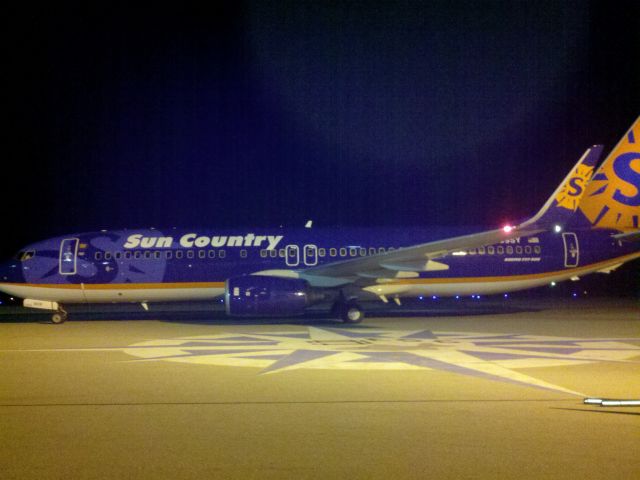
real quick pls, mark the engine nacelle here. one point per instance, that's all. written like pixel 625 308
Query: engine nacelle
pixel 256 295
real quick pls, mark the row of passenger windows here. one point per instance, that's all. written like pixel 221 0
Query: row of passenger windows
pixel 310 252
pixel 281 253
pixel 331 252
pixel 509 250
pixel 138 254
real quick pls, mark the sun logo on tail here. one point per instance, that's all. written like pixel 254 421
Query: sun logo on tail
pixel 569 196
pixel 612 199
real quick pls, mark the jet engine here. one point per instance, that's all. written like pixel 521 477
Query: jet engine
pixel 256 295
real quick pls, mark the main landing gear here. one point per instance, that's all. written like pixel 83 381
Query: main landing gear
pixel 348 311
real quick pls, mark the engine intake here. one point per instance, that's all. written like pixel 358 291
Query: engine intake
pixel 255 295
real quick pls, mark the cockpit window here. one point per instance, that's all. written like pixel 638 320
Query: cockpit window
pixel 27 255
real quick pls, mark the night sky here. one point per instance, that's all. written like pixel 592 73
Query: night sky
pixel 350 113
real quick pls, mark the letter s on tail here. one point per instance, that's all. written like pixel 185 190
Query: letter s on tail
pixel 612 199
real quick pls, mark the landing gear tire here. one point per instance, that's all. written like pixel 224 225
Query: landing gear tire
pixel 351 312
pixel 59 317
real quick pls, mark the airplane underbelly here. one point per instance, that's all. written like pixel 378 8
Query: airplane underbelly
pixel 108 293
pixel 151 294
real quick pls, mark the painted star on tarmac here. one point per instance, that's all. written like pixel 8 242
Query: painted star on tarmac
pixel 488 356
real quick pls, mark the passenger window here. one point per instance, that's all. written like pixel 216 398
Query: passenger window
pixel 509 250
pixel 156 254
pixel 481 251
pixel 491 250
pixel 343 252
pixel 527 249
pixel 107 255
pixel 190 254
pixel 202 254
pixel 118 255
pixel 322 252
pixel 263 253
pixel 381 250
pixel 168 254
pixel 243 253
pixel 472 251
pixel 222 254
pixel 98 256
pixel 519 249
pixel 179 254
pixel 333 252
pixel 281 253
pixel 353 252
pixel 500 250
pixel 212 254
pixel 372 251
pixel 537 249
pixel 273 253
pixel 363 252
pixel 127 255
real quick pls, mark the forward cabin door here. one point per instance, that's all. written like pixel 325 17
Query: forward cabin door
pixel 69 256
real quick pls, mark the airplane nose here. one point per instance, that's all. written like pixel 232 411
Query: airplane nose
pixel 10 272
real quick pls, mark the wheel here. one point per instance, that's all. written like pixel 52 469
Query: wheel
pixel 58 318
pixel 351 312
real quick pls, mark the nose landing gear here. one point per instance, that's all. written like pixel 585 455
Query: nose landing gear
pixel 60 316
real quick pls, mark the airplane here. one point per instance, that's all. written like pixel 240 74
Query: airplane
pixel 589 224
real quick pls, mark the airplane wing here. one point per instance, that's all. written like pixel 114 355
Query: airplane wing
pixel 407 262
pixel 418 258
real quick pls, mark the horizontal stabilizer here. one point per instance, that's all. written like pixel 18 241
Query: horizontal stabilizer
pixel 628 236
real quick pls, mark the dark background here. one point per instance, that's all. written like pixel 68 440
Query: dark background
pixel 348 113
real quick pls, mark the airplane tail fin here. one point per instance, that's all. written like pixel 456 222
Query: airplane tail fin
pixel 564 202
pixel 612 199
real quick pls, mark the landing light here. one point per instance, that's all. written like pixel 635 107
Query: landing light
pixel 434 297
pixel 557 228
pixel 507 228
pixel 553 284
